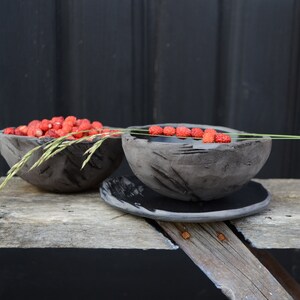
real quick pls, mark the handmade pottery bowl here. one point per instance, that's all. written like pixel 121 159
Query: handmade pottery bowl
pixel 190 170
pixel 62 173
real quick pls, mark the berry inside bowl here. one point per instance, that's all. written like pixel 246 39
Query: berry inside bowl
pixel 193 168
pixel 62 173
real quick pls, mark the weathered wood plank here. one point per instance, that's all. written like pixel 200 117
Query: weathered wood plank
pixel 288 282
pixel 30 218
pixel 279 225
pixel 226 260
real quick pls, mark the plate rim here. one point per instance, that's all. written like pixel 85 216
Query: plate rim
pixel 192 217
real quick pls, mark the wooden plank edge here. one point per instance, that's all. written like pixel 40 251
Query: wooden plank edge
pixel 218 252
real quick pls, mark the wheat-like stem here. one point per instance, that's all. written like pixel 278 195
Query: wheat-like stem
pixel 18 166
pixel 92 150
pixel 246 134
pixel 56 146
pixel 98 144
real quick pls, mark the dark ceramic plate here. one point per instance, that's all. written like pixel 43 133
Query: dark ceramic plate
pixel 131 195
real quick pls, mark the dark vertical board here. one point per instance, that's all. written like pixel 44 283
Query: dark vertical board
pixel 27 60
pixel 260 88
pixel 293 167
pixel 255 70
pixel 185 89
pixel 144 35
pixel 104 59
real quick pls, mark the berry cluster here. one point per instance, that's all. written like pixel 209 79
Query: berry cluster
pixel 209 135
pixel 58 127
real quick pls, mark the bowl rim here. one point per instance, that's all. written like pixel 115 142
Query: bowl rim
pixel 264 138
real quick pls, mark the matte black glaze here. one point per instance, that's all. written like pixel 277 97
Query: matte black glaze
pixel 131 195
pixel 191 170
pixel 62 173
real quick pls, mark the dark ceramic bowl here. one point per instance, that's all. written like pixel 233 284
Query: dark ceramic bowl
pixel 190 170
pixel 62 173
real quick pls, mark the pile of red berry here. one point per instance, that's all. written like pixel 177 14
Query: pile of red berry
pixel 208 135
pixel 58 127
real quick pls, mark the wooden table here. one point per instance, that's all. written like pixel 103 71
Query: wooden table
pixel 228 252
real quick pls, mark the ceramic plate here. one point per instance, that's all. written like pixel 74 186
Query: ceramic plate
pixel 131 195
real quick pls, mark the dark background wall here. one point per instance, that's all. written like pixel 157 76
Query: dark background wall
pixel 127 62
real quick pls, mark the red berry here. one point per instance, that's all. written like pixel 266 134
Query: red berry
pixel 31 131
pixel 197 133
pixel 210 130
pixel 71 119
pixel 57 119
pixel 34 132
pixel 169 130
pixel 67 128
pixel 61 132
pixel 85 125
pixel 208 137
pixel 155 130
pixel 97 125
pixel 222 138
pixel 77 122
pixel 9 130
pixel 34 123
pixel 45 125
pixel 38 132
pixel 183 132
pixel 77 134
pixel 21 130
pixel 18 132
pixel 51 133
pixel 57 125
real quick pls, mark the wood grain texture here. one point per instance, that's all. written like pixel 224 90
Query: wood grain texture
pixel 279 225
pixel 217 251
pixel 30 218
pixel 289 283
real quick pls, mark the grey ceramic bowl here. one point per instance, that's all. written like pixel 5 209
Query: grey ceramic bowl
pixel 190 170
pixel 62 173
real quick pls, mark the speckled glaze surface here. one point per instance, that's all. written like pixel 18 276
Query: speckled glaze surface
pixel 190 170
pixel 62 173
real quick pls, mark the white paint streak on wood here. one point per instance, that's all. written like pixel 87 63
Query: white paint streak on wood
pixel 31 218
pixel 218 252
pixel 279 225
